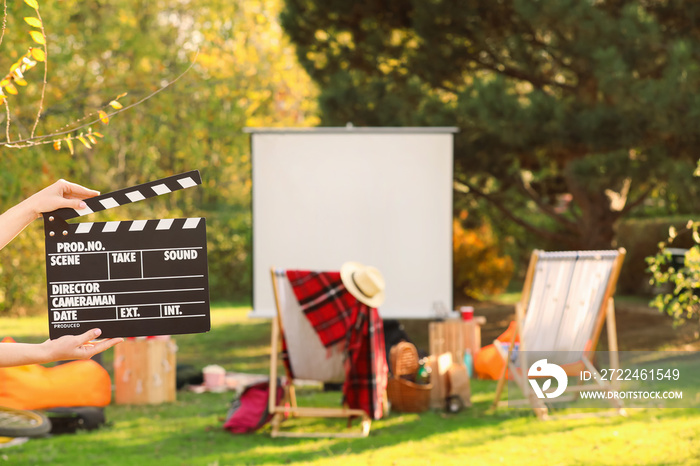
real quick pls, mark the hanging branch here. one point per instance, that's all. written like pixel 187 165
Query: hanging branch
pixel 16 77
pixel 37 22
pixel 102 116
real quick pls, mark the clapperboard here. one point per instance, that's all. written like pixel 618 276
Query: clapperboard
pixel 129 278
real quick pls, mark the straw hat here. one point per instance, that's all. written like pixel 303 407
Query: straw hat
pixel 363 282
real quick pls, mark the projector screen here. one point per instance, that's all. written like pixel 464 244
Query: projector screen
pixel 379 196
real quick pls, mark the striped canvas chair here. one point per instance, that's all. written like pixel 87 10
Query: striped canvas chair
pixel 566 299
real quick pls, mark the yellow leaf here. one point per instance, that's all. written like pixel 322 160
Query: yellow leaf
pixel 121 95
pixel 33 22
pixel 104 117
pixel 92 138
pixel 32 3
pixel 99 135
pixel 116 104
pixel 57 144
pixel 69 143
pixel 4 82
pixel 85 143
pixel 38 54
pixel 21 81
pixel 37 37
pixel 11 89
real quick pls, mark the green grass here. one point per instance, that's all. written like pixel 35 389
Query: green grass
pixel 189 431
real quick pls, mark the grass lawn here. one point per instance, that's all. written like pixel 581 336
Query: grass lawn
pixel 189 431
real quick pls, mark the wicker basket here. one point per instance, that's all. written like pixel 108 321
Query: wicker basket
pixel 406 396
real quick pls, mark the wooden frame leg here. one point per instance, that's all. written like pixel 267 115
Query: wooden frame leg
pixel 273 364
pixel 504 371
pixel 612 337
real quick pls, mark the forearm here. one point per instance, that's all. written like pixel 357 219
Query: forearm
pixel 20 354
pixel 14 220
pixel 81 346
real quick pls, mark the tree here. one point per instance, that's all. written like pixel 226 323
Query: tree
pixel 571 113
pixel 245 74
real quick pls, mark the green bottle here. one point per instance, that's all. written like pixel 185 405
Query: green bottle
pixel 423 375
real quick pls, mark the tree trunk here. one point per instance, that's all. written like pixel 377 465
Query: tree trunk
pixel 598 227
pixel 597 222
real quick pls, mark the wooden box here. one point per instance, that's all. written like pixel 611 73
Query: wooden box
pixel 145 371
pixel 455 336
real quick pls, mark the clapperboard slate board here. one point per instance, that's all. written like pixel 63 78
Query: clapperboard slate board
pixel 128 278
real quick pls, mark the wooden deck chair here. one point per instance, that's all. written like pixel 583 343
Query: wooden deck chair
pixel 310 360
pixel 566 298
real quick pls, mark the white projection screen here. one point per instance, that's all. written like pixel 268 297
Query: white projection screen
pixel 379 196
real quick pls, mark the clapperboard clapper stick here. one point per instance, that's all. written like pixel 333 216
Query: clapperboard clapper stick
pixel 129 278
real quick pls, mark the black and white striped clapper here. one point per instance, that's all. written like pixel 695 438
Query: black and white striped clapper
pixel 129 278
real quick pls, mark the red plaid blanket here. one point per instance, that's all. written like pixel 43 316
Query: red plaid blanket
pixel 325 302
pixel 337 316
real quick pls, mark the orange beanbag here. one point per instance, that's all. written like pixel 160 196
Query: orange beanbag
pixel 488 363
pixel 76 383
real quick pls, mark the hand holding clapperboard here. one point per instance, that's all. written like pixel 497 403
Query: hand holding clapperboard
pixel 129 278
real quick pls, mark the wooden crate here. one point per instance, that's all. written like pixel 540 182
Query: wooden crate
pixel 144 371
pixel 455 336
pixel 450 337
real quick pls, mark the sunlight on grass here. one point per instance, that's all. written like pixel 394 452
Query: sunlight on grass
pixel 251 352
pixel 38 326
pixel 189 430
pixel 508 297
pixel 20 328
pixel 229 313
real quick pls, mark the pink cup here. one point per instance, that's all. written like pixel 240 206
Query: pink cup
pixel 214 378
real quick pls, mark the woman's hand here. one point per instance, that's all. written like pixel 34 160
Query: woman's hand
pixel 60 349
pixel 77 346
pixel 59 195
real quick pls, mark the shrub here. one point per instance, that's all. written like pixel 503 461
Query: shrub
pixel 641 237
pixel 23 273
pixel 680 298
pixel 479 269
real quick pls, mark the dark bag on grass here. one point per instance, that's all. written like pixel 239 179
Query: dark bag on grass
pixel 70 420
pixel 249 411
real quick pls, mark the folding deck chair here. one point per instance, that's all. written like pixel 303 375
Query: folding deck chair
pixel 309 360
pixel 566 298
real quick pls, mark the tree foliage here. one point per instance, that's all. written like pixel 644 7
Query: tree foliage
pixel 678 281
pixel 80 130
pixel 245 74
pixel 479 269
pixel 572 113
